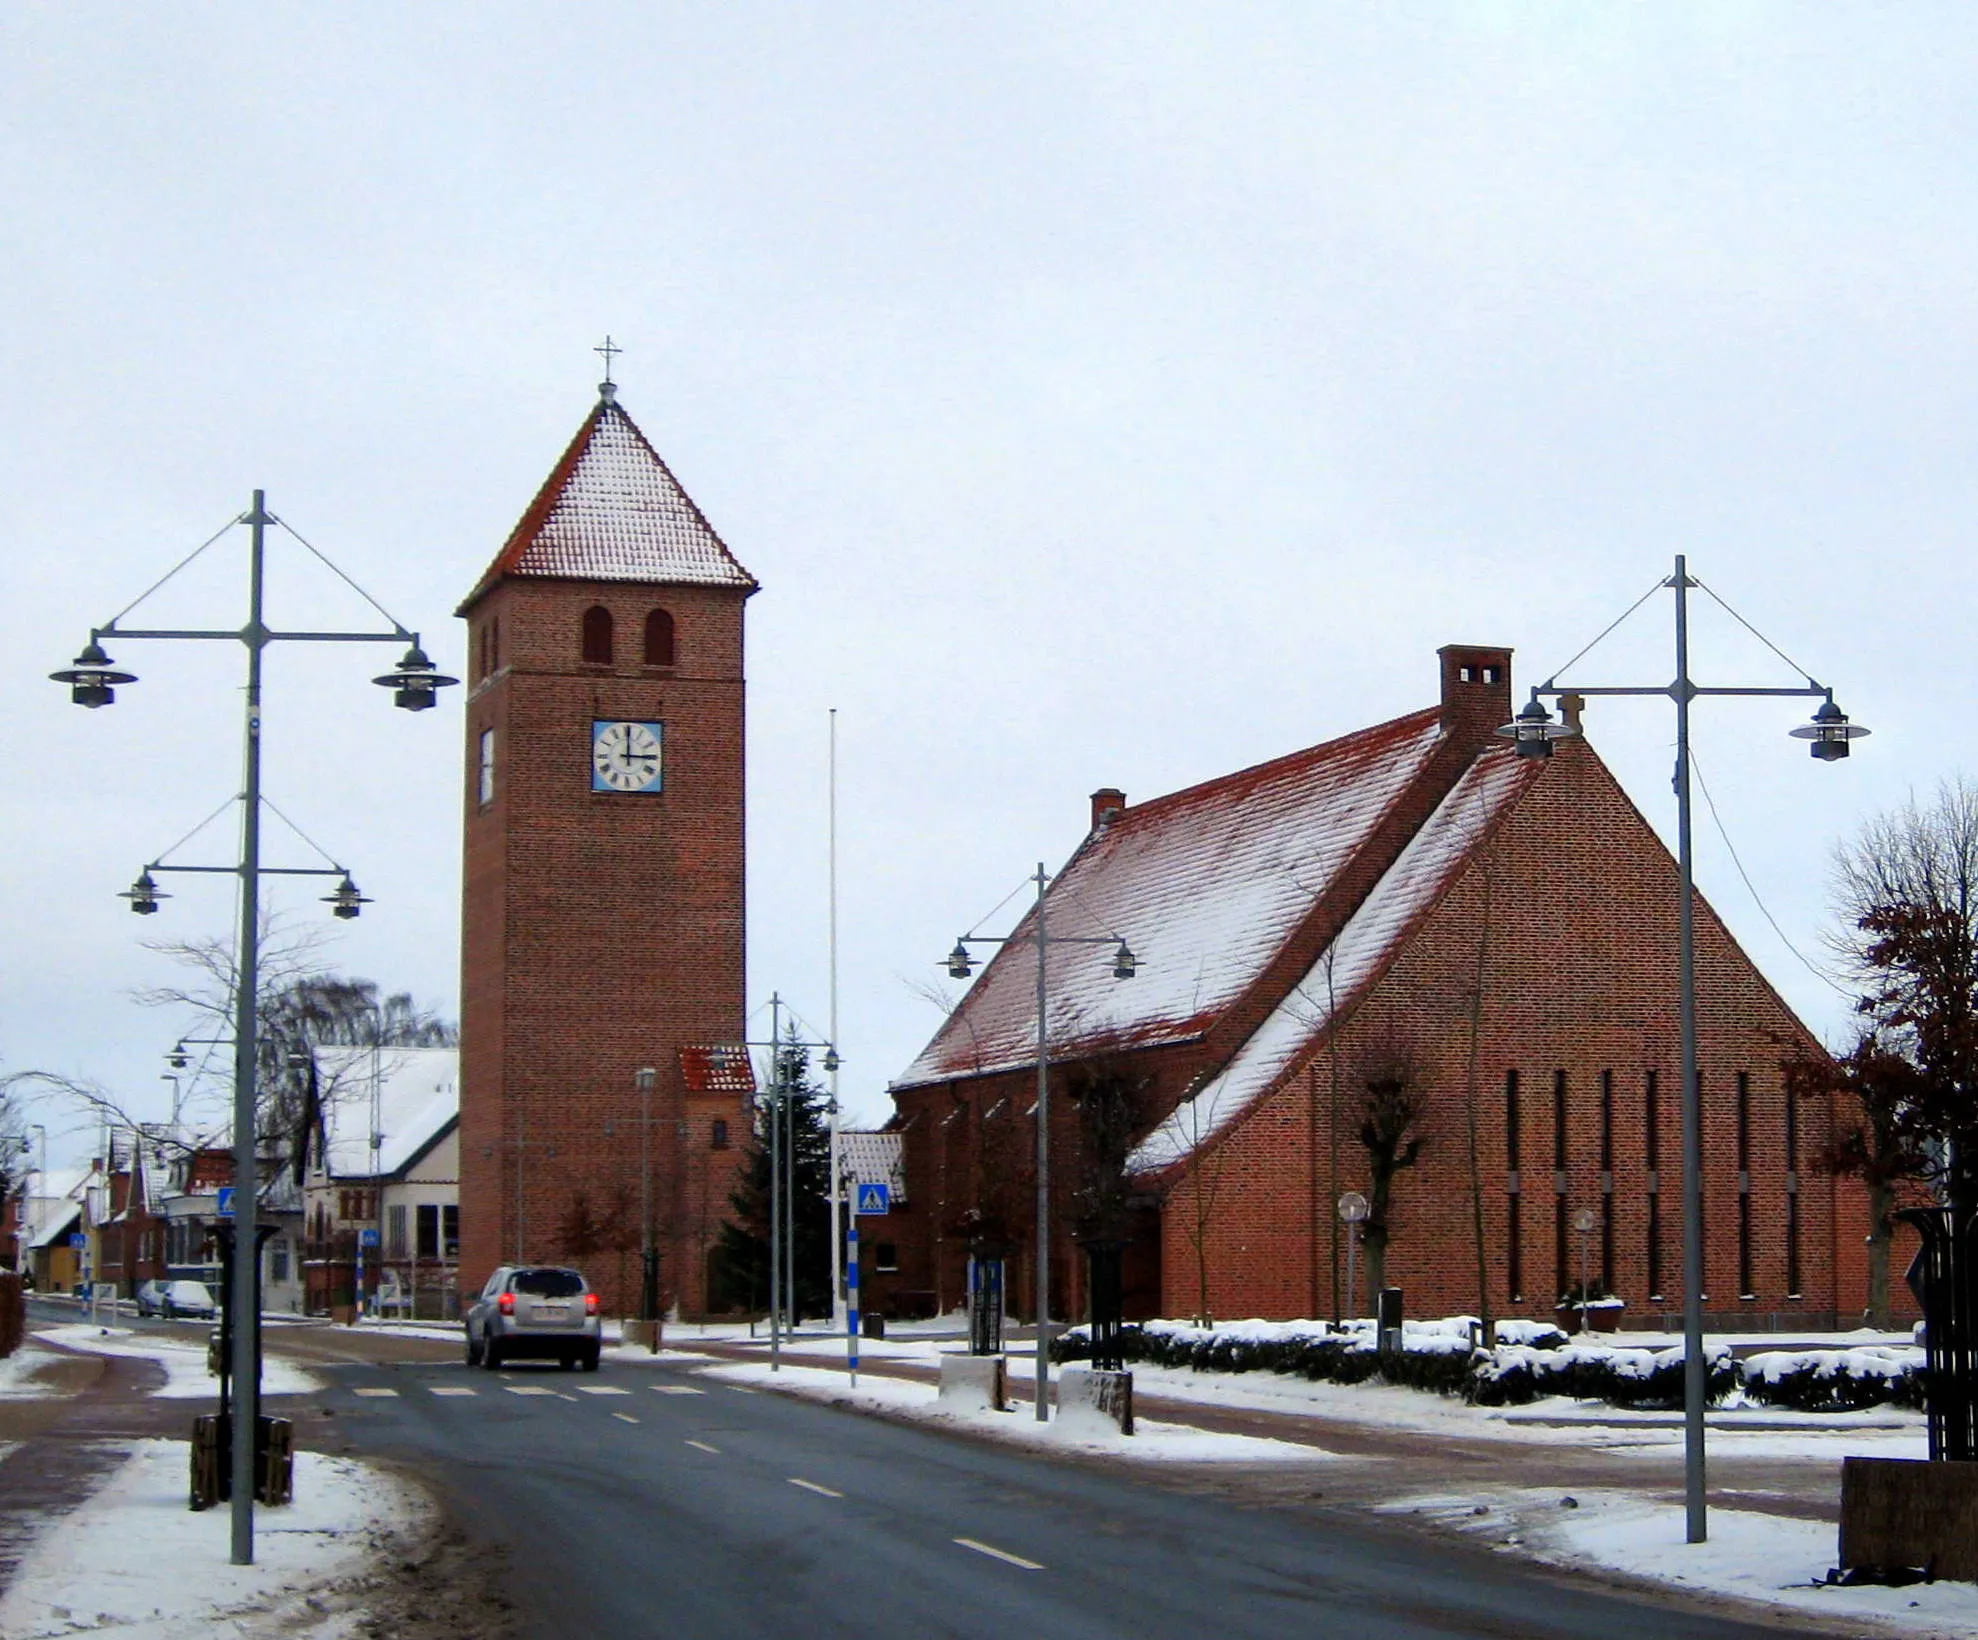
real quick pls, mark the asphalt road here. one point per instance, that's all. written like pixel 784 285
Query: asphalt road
pixel 655 1501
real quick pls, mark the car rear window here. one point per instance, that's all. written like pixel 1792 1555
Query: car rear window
pixel 548 1283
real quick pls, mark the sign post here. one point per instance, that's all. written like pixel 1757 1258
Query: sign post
pixel 875 1199
pixel 366 1237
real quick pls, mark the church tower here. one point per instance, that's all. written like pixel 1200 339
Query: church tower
pixel 602 928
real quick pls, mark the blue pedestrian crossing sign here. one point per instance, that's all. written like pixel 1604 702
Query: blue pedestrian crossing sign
pixel 225 1206
pixel 875 1199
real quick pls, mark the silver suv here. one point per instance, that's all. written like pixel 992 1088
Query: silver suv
pixel 537 1310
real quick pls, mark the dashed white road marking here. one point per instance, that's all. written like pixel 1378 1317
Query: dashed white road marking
pixel 601 1389
pixel 625 1417
pixel 452 1389
pixel 739 1389
pixel 1001 1554
pixel 704 1447
pixel 374 1390
pixel 812 1486
pixel 675 1389
pixel 528 1389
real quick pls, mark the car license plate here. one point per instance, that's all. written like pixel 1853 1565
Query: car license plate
pixel 552 1309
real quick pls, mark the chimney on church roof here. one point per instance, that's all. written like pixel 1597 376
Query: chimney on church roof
pixel 1476 690
pixel 1108 803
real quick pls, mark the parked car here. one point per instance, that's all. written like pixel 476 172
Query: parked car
pixel 151 1297
pixel 188 1298
pixel 534 1310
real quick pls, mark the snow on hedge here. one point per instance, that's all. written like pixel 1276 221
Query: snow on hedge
pixel 1531 1359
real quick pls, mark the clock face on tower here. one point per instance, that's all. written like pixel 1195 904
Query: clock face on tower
pixel 626 757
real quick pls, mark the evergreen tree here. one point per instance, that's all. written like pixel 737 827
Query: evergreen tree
pixel 743 1250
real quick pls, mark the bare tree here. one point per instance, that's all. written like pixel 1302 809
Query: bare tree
pixel 1907 887
pixel 1877 1146
pixel 1389 1116
pixel 1472 1086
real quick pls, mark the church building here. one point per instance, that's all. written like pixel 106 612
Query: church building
pixel 1405 965
pixel 603 889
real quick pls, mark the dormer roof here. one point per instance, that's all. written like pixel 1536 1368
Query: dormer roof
pixel 611 510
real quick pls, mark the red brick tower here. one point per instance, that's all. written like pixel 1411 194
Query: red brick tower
pixel 603 914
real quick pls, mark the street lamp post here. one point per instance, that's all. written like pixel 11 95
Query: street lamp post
pixel 960 964
pixel 1533 733
pixel 783 1168
pixel 1352 1213
pixel 93 680
pixel 643 1079
pixel 1584 1221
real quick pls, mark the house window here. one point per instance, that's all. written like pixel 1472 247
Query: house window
pixel 278 1259
pixel 494 645
pixel 720 1136
pixel 885 1256
pixel 1607 1182
pixel 428 1245
pixel 450 1231
pixel 485 768
pixel 659 638
pixel 597 635
pixel 395 1230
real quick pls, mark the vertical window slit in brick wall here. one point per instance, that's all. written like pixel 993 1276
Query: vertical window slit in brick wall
pixel 1652 1155
pixel 1702 1188
pixel 1607 1181
pixel 1562 1278
pixel 1514 1253
pixel 1792 1195
pixel 1746 1287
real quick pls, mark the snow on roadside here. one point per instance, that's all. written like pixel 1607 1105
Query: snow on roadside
pixel 19 1380
pixel 1770 1559
pixel 186 1377
pixel 134 1562
pixel 1151 1441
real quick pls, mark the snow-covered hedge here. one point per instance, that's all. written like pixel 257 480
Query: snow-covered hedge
pixel 1835 1380
pixel 1532 1359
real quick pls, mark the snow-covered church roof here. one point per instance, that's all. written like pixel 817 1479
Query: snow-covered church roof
pixel 1205 885
pixel 611 510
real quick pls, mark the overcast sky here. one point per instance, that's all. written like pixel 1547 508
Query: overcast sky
pixel 1103 395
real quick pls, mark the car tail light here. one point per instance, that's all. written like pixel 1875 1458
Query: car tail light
pixel 590 1304
pixel 507 1303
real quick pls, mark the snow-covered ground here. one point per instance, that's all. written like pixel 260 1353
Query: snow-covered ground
pixel 1773 1559
pixel 186 1376
pixel 19 1380
pixel 1770 1432
pixel 134 1562
pixel 1151 1442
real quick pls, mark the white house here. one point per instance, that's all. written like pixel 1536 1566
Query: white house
pixel 381 1189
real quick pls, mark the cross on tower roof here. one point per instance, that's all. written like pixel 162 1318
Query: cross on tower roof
pixel 609 352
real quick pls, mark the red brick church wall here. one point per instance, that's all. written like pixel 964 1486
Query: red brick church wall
pixel 1574 902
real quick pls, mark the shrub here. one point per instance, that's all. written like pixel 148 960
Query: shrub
pixel 1835 1380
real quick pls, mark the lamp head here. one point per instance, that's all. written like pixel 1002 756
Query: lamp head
pixel 416 682
pixel 92 678
pixel 1124 962
pixel 1829 731
pixel 144 894
pixel 1532 731
pixel 831 1061
pixel 960 963
pixel 346 902
pixel 178 1059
